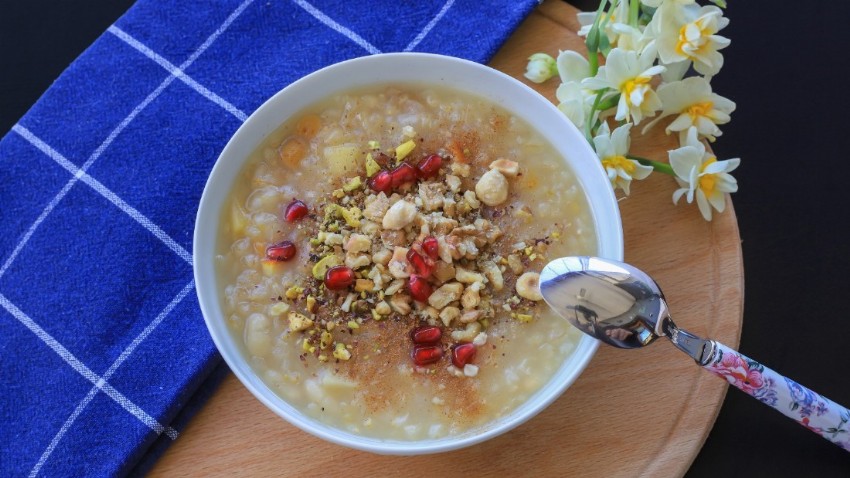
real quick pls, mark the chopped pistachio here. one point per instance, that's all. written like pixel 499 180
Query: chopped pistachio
pixel 555 235
pixel 524 318
pixel 326 339
pixel 372 166
pixel 299 322
pixel 352 184
pixel 404 149
pixel 352 324
pixel 311 303
pixel 352 216
pixel 323 358
pixel 341 353
pixel 321 267
pixel 293 292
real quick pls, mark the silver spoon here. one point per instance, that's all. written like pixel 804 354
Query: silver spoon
pixel 622 306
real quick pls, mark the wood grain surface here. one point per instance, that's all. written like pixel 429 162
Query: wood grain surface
pixel 631 413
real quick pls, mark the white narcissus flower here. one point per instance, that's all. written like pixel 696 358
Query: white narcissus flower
pixel 540 67
pixel 574 101
pixel 700 174
pixel 690 33
pixel 696 105
pixel 612 149
pixel 629 73
pixel 586 19
pixel 634 39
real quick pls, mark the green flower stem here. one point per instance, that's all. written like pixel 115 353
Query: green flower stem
pixel 588 130
pixel 609 103
pixel 592 41
pixel 634 10
pixel 593 60
pixel 604 22
pixel 660 167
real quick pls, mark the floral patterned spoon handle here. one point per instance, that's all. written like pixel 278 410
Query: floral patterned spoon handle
pixel 622 306
pixel 815 412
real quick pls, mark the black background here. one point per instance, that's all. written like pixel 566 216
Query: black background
pixel 787 70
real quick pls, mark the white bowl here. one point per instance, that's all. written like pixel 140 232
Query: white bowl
pixel 461 75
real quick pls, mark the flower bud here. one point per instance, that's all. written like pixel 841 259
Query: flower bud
pixel 540 67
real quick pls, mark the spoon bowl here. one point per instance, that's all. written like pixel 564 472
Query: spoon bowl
pixel 623 306
pixel 614 302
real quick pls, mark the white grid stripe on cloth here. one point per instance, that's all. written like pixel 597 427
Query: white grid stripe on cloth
pixel 330 23
pixel 430 26
pixel 100 383
pixel 96 154
pixel 177 72
pixel 118 129
pixel 108 374
pixel 104 191
pixel 81 368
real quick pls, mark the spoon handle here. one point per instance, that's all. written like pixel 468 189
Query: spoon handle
pixel 815 412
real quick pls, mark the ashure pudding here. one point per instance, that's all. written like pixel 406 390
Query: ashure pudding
pixel 379 260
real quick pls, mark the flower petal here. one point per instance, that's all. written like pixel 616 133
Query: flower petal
pixel 704 207
pixel 572 66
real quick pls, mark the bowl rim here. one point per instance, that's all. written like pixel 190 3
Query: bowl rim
pixel 297 96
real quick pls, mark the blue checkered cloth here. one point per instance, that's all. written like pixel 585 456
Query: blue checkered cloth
pixel 103 351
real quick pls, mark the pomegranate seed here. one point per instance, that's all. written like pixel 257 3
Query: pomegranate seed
pixel 431 247
pixel 427 334
pixel 420 289
pixel 295 210
pixel 462 354
pixel 424 266
pixel 339 277
pixel 403 174
pixel 426 354
pixel 430 166
pixel 282 251
pixel 381 182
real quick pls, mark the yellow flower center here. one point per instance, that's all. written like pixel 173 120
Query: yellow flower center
pixel 631 85
pixel 619 162
pixel 689 45
pixel 699 109
pixel 708 182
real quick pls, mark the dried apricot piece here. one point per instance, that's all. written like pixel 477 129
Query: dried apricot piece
pixel 292 151
pixel 309 125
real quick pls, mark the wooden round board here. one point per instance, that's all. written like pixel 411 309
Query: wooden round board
pixel 631 413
